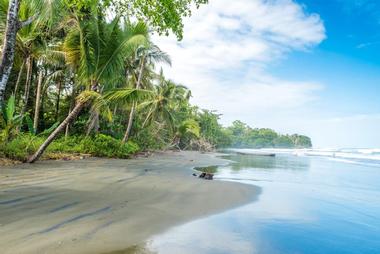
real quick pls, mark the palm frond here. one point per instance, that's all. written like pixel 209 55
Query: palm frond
pixel 126 95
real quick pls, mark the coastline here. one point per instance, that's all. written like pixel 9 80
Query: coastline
pixel 105 205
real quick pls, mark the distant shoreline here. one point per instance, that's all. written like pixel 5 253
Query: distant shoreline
pixel 103 205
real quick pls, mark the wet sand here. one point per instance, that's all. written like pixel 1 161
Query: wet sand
pixel 104 205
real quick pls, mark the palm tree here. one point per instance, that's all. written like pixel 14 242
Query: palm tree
pixel 145 56
pixel 165 102
pixel 48 58
pixel 39 9
pixel 96 50
pixel 187 127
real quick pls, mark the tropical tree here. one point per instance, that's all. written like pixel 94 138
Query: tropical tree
pixel 189 128
pixel 96 50
pixel 162 15
pixel 145 56
pixel 163 104
pixel 37 9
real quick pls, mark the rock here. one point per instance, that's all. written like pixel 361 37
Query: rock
pixel 209 176
pixel 194 174
pixel 206 176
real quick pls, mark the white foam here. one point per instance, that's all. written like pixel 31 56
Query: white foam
pixel 354 162
pixel 352 155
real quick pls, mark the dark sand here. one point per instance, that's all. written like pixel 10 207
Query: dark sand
pixel 103 205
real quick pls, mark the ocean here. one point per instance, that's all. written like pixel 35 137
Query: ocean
pixel 313 201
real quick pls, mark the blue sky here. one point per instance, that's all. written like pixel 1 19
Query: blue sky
pixel 306 66
pixel 347 63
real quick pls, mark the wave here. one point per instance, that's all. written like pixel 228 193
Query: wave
pixel 357 162
pixel 367 156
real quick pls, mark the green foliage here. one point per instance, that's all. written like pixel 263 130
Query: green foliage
pixel 20 147
pixel 100 145
pixel 162 15
pixel 211 130
pixel 189 127
pixel 151 137
pixel 241 135
pixel 9 120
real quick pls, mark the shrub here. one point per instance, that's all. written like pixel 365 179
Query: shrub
pixel 20 147
pixel 105 146
pixel 99 145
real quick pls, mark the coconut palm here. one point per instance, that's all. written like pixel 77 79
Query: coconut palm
pixel 15 20
pixel 48 59
pixel 145 56
pixel 188 127
pixel 96 50
pixel 164 104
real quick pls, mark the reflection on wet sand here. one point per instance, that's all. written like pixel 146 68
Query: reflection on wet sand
pixel 101 205
pixel 308 205
pixel 265 162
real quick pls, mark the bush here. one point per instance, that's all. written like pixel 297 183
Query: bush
pixel 105 146
pixel 20 147
pixel 99 145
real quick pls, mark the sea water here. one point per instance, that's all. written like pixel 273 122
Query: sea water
pixel 312 201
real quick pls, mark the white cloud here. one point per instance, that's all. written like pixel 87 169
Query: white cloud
pixel 226 50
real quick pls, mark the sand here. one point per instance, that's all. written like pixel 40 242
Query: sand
pixel 104 205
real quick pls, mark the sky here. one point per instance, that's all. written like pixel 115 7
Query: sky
pixel 297 66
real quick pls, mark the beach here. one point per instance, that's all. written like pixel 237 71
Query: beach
pixel 104 205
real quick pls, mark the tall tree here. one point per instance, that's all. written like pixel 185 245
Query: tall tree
pixel 162 15
pixel 145 56
pixel 13 25
pixel 96 50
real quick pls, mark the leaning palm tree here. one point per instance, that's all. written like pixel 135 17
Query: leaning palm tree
pixel 96 50
pixel 145 56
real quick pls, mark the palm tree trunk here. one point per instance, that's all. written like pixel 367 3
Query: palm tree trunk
pixel 133 109
pixel 38 101
pixel 67 129
pixel 29 64
pixel 72 101
pixel 130 122
pixel 93 123
pixel 58 100
pixel 19 77
pixel 9 45
pixel 73 114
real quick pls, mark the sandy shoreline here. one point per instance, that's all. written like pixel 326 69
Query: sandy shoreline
pixel 105 205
